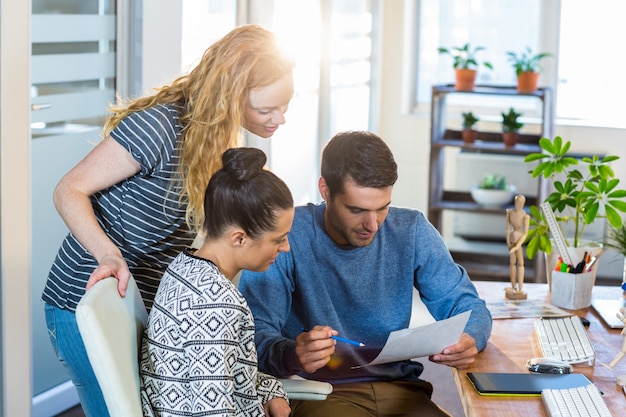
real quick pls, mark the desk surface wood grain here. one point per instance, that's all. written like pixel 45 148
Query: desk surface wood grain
pixel 513 342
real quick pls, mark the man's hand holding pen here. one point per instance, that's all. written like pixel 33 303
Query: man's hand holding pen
pixel 315 347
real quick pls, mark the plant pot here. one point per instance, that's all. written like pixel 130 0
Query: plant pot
pixel 469 135
pixel 465 79
pixel 492 198
pixel 510 139
pixel 527 82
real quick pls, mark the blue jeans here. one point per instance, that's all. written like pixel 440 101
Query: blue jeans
pixel 69 348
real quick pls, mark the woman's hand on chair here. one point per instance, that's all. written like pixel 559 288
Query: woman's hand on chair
pixel 111 266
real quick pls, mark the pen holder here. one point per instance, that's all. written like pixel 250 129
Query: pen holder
pixel 571 291
pixel 575 253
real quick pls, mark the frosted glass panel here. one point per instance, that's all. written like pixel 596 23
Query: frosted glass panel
pixel 73 64
pixel 74 6
pixel 57 108
pixel 72 28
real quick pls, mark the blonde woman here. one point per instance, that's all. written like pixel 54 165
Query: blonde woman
pixel 136 200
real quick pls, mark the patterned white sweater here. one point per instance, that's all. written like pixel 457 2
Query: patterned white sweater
pixel 198 356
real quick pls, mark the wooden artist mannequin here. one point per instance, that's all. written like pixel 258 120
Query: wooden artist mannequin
pixel 517 224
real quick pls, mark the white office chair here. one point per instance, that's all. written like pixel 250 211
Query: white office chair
pixel 112 328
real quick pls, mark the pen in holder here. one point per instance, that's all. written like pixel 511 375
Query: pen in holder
pixel 585 259
pixel 571 290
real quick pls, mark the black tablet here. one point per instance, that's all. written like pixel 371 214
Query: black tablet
pixel 496 383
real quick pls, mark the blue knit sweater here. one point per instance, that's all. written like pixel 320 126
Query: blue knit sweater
pixel 363 293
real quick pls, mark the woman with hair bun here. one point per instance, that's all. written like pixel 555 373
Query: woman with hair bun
pixel 198 356
pixel 136 200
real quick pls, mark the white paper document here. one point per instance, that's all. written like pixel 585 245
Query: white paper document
pixel 421 341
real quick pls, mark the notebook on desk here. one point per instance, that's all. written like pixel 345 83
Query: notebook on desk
pixel 502 383
pixel 607 310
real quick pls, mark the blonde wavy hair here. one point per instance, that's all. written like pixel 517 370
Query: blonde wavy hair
pixel 214 96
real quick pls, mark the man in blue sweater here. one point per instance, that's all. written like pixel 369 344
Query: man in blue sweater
pixel 353 264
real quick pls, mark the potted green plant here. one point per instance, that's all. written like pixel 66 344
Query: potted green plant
pixel 579 196
pixel 492 191
pixel 493 182
pixel 465 64
pixel 510 127
pixel 469 133
pixel 527 68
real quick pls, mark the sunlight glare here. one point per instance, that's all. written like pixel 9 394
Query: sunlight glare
pixel 301 39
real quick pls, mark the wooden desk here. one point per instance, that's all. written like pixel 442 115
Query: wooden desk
pixel 513 342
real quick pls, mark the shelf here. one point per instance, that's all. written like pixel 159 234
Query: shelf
pixel 462 201
pixel 473 255
pixel 471 206
pixel 492 90
pixel 477 247
pixel 484 261
pixel 488 142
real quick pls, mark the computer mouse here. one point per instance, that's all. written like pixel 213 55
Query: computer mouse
pixel 549 366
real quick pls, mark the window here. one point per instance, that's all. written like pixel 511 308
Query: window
pixel 497 25
pixel 333 83
pixel 204 22
pixel 584 38
pixel 591 62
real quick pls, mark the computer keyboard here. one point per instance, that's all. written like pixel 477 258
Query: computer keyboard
pixel 565 338
pixel 580 402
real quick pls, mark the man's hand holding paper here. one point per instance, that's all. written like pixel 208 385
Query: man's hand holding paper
pixel 460 355
pixel 443 339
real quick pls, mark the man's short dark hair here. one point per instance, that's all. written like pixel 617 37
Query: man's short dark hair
pixel 360 156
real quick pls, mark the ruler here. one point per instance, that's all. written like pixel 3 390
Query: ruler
pixel 557 234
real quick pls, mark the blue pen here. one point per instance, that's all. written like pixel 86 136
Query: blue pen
pixel 339 339
pixel 351 342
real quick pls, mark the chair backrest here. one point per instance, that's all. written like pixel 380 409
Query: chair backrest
pixel 112 328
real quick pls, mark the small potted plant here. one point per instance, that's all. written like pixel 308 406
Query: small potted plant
pixel 527 68
pixel 579 196
pixel 465 64
pixel 469 133
pixel 510 127
pixel 492 191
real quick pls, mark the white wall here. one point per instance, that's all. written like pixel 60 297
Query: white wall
pixel 161 37
pixel 406 134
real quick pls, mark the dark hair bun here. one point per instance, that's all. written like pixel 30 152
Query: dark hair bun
pixel 243 163
pixel 244 194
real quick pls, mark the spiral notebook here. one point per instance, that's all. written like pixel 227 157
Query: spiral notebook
pixel 501 383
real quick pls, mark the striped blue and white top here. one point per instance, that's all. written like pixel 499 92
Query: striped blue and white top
pixel 142 214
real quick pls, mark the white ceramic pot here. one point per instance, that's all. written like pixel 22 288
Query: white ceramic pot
pixel 492 198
